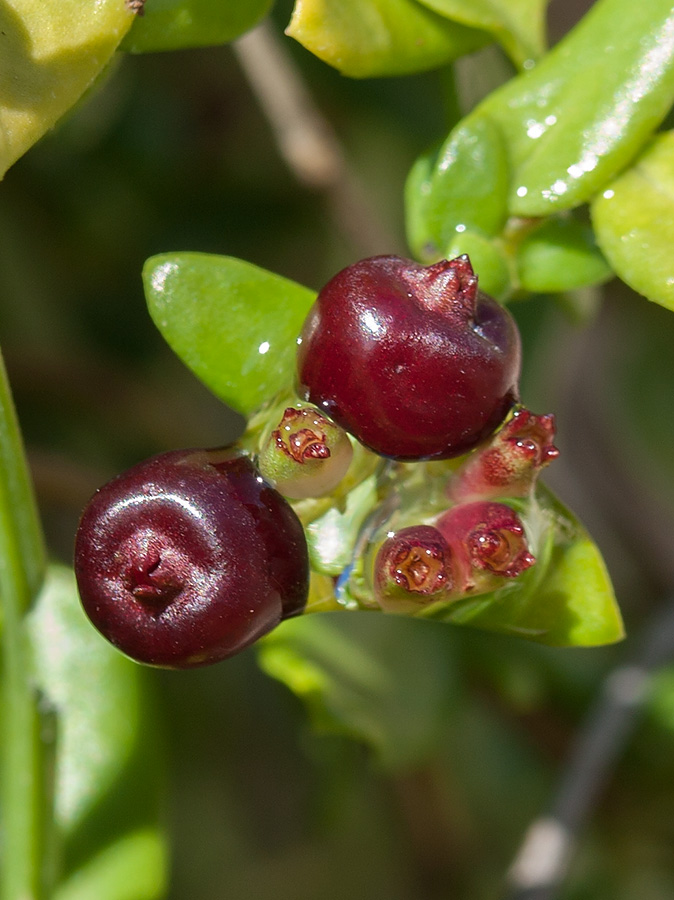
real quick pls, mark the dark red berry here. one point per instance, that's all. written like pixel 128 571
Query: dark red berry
pixel 189 557
pixel 413 361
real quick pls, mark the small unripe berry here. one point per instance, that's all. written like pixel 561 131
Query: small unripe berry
pixel 413 569
pixel 488 542
pixel 509 465
pixel 306 455
pixel 189 557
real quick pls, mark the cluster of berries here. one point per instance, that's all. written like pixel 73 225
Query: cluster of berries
pixel 191 556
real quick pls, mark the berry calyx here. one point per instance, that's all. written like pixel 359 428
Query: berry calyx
pixel 509 465
pixel 413 361
pixel 306 455
pixel 489 544
pixel 189 557
pixel 413 568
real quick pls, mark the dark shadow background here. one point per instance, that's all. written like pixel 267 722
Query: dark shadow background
pixel 172 153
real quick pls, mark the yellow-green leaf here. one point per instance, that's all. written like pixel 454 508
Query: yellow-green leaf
pixel 174 24
pixel 634 222
pixel 519 25
pixel 365 38
pixel 50 53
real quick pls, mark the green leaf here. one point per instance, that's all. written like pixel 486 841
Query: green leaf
pixel 132 868
pixel 233 324
pixel 634 222
pixel 463 185
pixel 366 38
pixel 566 599
pixel 519 25
pixel 582 113
pixel 107 758
pixel 176 24
pixel 560 255
pixel 385 681
pixel 51 53
pixel 94 691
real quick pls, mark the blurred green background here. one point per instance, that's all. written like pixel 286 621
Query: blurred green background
pixel 171 152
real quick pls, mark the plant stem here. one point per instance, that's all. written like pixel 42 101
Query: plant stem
pixel 23 783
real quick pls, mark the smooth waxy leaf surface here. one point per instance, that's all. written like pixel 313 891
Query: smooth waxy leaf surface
pixel 96 697
pixel 463 185
pixel 566 127
pixel 175 24
pixel 519 25
pixel 578 117
pixel 387 682
pixel 560 255
pixel 365 38
pixel 50 54
pixel 94 691
pixel 233 324
pixel 634 222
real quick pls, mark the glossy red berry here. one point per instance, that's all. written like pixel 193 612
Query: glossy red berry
pixel 189 557
pixel 413 361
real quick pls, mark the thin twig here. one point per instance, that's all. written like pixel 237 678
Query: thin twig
pixel 544 856
pixel 306 140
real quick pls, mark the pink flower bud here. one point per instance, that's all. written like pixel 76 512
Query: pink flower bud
pixel 509 464
pixel 413 569
pixel 488 544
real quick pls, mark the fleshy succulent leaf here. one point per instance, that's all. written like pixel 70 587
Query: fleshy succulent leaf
pixel 105 739
pixel 519 25
pixel 619 60
pixel 566 127
pixel 560 255
pixel 463 185
pixel 51 54
pixel 366 38
pixel 233 324
pixel 177 24
pixel 634 222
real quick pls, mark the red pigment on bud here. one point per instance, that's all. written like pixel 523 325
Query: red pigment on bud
pixel 415 560
pixel 509 465
pixel 488 537
pixel 301 443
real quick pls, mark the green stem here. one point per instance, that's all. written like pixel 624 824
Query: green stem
pixel 23 782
